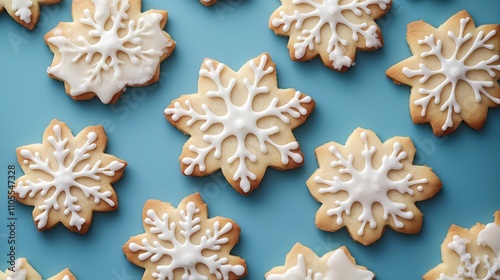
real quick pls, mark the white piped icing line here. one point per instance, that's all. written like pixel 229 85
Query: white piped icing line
pixel 66 277
pixel 22 9
pixel 455 69
pixel 240 121
pixel 339 267
pixel 107 59
pixel 370 185
pixel 490 237
pixel 187 252
pixel 66 168
pixel 329 14
pixel 17 273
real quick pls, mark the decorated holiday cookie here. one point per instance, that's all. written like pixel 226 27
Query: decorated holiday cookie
pixel 367 185
pixel 240 122
pixel 25 12
pixel 332 29
pixel 183 243
pixel 470 253
pixel 302 263
pixel 22 270
pixel 67 178
pixel 453 73
pixel 110 45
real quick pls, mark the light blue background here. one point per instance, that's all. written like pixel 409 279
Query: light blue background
pixel 279 213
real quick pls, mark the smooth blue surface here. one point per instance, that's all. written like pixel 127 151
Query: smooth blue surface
pixel 279 213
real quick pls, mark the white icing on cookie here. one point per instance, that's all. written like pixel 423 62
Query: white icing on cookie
pixel 240 121
pixel 188 251
pixel 340 267
pixel 370 185
pixel 107 59
pixel 490 236
pixel 17 273
pixel 65 170
pixel 467 269
pixel 455 69
pixel 22 9
pixel 328 15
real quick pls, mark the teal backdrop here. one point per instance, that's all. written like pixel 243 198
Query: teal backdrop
pixel 281 211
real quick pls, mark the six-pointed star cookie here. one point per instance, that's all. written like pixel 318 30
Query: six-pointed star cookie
pixel 25 12
pixel 183 243
pixel 366 185
pixel 453 73
pixel 470 253
pixel 332 29
pixel 240 122
pixel 302 263
pixel 67 178
pixel 110 45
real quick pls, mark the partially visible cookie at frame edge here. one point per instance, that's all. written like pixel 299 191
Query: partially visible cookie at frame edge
pixel 110 45
pixel 25 12
pixel 366 185
pixel 332 29
pixel 470 253
pixel 453 73
pixel 208 2
pixel 183 243
pixel 302 263
pixel 240 122
pixel 68 177
pixel 22 270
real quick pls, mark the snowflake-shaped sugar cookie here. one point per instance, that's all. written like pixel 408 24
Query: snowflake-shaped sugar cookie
pixel 332 29
pixel 22 270
pixel 184 244
pixel 366 185
pixel 472 254
pixel 240 122
pixel 67 178
pixel 25 12
pixel 302 263
pixel 110 45
pixel 454 72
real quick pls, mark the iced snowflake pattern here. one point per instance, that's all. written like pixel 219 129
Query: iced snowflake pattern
pixel 66 169
pixel 240 121
pixel 170 254
pixel 370 185
pixel 468 267
pixel 329 14
pixel 453 79
pixel 107 59
pixel 470 253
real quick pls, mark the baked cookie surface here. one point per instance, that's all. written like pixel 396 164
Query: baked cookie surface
pixel 302 263
pixel 183 243
pixel 366 185
pixel 332 29
pixel 68 177
pixel 22 270
pixel 25 12
pixel 240 122
pixel 110 45
pixel 470 253
pixel 453 73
